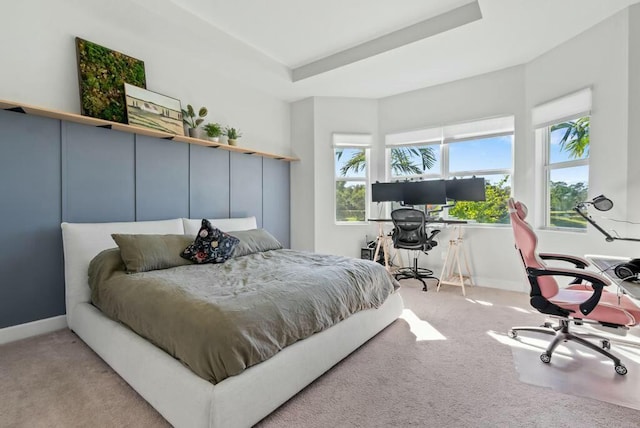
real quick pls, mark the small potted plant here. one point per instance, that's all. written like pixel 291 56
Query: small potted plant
pixel 232 135
pixel 193 121
pixel 213 130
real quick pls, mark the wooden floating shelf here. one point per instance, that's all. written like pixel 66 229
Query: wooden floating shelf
pixel 101 123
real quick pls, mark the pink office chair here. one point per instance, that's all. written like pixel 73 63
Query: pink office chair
pixel 584 301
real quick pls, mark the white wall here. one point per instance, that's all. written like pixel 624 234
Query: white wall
pixel 338 115
pixel 184 58
pixel 490 249
pixel 601 58
pixel 598 58
pixel 633 154
pixel 314 121
pixel 303 216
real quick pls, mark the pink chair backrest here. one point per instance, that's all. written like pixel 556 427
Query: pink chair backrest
pixel 526 244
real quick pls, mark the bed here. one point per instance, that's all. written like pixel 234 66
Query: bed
pixel 182 397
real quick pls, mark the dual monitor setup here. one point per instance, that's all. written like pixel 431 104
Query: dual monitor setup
pixel 429 192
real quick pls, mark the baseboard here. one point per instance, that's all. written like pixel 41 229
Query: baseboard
pixel 34 328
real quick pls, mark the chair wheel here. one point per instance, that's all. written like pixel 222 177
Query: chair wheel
pixel 606 344
pixel 512 334
pixel 621 370
pixel 546 358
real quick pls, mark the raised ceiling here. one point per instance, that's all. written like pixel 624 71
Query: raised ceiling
pixel 294 33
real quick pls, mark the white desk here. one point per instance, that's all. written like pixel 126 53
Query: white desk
pixel 606 264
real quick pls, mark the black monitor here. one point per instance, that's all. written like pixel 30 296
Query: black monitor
pixel 383 192
pixel 429 192
pixel 466 189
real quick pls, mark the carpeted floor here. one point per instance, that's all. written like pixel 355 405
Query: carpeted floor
pixel 449 371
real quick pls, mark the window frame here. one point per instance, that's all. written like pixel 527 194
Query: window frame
pixel 358 142
pixel 388 173
pixel 543 142
pixel 444 143
pixel 477 172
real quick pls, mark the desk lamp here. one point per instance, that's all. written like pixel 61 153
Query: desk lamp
pixel 601 203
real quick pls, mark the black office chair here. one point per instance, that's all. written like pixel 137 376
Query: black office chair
pixel 410 233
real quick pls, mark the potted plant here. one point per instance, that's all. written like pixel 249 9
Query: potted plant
pixel 232 135
pixel 213 130
pixel 193 121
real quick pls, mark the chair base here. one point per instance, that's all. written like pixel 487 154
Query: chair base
pixel 561 334
pixel 416 273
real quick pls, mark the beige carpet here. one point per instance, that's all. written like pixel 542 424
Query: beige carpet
pixel 447 372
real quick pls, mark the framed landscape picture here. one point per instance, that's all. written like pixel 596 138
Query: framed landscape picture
pixel 102 73
pixel 152 110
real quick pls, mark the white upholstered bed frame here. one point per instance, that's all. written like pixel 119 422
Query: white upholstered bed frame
pixel 183 398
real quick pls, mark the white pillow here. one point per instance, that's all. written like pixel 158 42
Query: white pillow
pixel 192 225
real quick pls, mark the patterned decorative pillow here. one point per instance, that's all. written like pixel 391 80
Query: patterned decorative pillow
pixel 210 246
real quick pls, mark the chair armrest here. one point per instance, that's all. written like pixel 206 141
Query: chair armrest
pixel 430 242
pixel 577 261
pixel 597 283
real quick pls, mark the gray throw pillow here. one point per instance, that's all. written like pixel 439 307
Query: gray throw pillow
pixel 142 253
pixel 254 241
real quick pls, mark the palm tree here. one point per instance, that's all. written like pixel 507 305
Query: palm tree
pixel 401 162
pixel 576 137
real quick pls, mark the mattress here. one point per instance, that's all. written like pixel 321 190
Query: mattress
pixel 220 319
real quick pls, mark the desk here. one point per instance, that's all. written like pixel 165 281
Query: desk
pixel 606 264
pixel 383 239
pixel 430 221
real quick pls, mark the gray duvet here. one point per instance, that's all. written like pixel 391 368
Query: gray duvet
pixel 219 319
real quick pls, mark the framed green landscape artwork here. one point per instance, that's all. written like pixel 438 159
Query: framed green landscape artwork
pixel 152 110
pixel 102 74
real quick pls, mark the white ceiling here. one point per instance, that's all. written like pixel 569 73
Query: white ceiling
pixel 296 32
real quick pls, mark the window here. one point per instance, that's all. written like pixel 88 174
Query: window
pixel 562 139
pixel 351 166
pixel 481 149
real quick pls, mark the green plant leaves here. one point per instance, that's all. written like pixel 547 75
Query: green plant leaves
pixel 102 73
pixel 189 116
pixel 232 133
pixel 213 129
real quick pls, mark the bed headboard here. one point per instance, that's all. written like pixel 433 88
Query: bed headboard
pixel 83 241
pixel 192 226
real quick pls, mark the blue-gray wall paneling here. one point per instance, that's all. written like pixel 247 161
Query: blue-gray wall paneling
pixel 53 171
pixel 162 179
pixel 98 175
pixel 246 186
pixel 31 266
pixel 275 199
pixel 209 182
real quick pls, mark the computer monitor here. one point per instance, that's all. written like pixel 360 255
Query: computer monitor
pixel 428 192
pixel 466 189
pixel 383 192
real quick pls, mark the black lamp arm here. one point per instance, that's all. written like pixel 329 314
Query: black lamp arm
pixel 607 235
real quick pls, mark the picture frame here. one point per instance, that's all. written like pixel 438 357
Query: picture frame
pixel 102 73
pixel 152 110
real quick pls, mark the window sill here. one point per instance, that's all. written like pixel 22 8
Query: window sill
pixel 562 229
pixel 352 223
